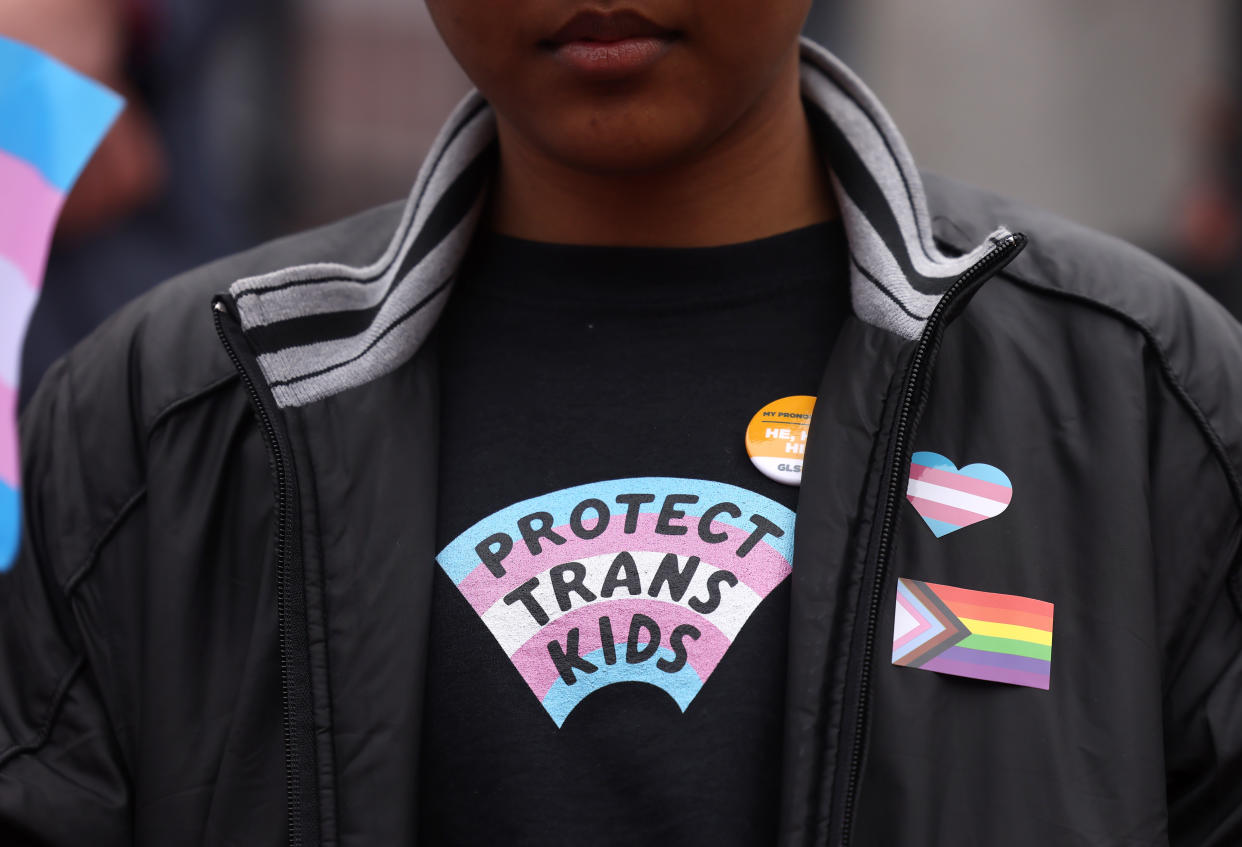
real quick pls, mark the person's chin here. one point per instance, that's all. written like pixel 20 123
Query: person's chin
pixel 641 133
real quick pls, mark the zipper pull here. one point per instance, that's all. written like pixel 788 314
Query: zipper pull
pixel 223 304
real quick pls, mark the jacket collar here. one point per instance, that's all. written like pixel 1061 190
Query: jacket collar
pixel 323 328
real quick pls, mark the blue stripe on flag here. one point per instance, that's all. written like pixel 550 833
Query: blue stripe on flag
pixel 10 524
pixel 681 685
pixel 458 558
pixel 940 528
pixel 50 115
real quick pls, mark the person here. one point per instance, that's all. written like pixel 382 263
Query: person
pixel 440 525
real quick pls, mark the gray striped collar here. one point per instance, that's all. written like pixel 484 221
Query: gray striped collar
pixel 323 328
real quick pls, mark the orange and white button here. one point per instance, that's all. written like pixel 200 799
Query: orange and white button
pixel 776 438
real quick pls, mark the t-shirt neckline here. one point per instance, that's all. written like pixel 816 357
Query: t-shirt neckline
pixel 510 267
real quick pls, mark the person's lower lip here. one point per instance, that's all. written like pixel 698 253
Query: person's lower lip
pixel 613 59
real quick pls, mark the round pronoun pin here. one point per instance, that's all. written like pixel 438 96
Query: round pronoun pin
pixel 776 438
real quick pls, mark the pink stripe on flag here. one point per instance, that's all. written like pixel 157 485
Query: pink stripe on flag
pixel 8 435
pixel 762 568
pixel 28 209
pixel 940 512
pixel 961 482
pixel 535 664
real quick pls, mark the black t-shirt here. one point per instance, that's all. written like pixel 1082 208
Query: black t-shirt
pixel 608 626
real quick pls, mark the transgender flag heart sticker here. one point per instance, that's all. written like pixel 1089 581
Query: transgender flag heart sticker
pixel 630 580
pixel 949 498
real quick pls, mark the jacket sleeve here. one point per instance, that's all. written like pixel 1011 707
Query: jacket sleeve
pixel 1196 502
pixel 62 781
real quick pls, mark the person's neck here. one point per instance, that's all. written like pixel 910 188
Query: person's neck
pixel 763 177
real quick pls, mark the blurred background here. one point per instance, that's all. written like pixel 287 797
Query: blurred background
pixel 254 118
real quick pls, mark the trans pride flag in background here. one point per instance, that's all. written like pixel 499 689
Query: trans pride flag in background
pixel 51 120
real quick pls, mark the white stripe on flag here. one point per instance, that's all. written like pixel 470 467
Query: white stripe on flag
pixel 17 302
pixel 903 622
pixel 952 497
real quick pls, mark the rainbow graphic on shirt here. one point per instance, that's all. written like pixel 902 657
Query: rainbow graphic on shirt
pixel 630 580
pixel 51 119
pixel 977 634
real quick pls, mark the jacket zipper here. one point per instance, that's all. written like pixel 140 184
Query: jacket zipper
pixel 290 614
pixel 916 379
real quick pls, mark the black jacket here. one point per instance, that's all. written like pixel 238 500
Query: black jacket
pixel 215 630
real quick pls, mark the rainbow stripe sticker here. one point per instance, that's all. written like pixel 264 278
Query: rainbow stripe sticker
pixel 977 634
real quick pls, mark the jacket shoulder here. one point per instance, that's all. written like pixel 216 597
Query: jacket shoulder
pixel 86 431
pixel 166 338
pixel 1198 343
